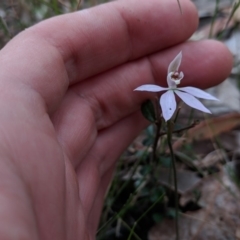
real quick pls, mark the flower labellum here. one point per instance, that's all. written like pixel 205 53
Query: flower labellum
pixel 187 94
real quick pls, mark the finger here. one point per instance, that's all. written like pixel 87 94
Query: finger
pixel 109 97
pixel 97 206
pixel 108 147
pixel 75 46
pixel 100 38
pixel 75 125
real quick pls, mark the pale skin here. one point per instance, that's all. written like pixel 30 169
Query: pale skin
pixel 68 110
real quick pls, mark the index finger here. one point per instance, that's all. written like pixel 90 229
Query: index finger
pixel 70 48
pixel 100 38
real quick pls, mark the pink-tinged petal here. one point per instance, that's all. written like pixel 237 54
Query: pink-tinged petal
pixel 196 92
pixel 150 88
pixel 192 101
pixel 168 104
pixel 175 63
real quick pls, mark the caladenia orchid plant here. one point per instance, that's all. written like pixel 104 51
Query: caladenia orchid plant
pixel 186 94
pixel 168 105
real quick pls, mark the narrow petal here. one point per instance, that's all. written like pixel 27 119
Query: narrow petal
pixel 175 63
pixel 198 93
pixel 168 104
pixel 192 101
pixel 150 88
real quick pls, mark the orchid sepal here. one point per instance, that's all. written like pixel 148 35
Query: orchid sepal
pixel 150 88
pixel 175 63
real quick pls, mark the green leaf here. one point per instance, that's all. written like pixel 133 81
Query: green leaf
pixel 148 111
pixel 157 217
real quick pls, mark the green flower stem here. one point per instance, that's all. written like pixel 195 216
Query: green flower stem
pixel 169 140
pixel 179 5
pixel 158 123
pixel 158 128
pixel 177 113
pixel 214 18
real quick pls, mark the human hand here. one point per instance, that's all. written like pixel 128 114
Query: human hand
pixel 68 109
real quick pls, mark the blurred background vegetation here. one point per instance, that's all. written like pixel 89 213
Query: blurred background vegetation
pixel 16 15
pixel 140 201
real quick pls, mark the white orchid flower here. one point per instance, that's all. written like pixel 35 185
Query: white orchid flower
pixel 187 94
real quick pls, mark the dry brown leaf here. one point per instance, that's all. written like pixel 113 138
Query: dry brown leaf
pixel 218 218
pixel 187 180
pixel 211 159
pixel 209 129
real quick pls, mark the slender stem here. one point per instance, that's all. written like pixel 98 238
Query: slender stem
pixel 169 140
pixel 177 113
pixel 179 5
pixel 158 125
pixel 234 8
pixel 131 231
pixel 78 5
pixel 143 215
pixel 213 19
pixel 158 128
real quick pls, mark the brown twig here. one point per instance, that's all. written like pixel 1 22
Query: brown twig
pixel 181 129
